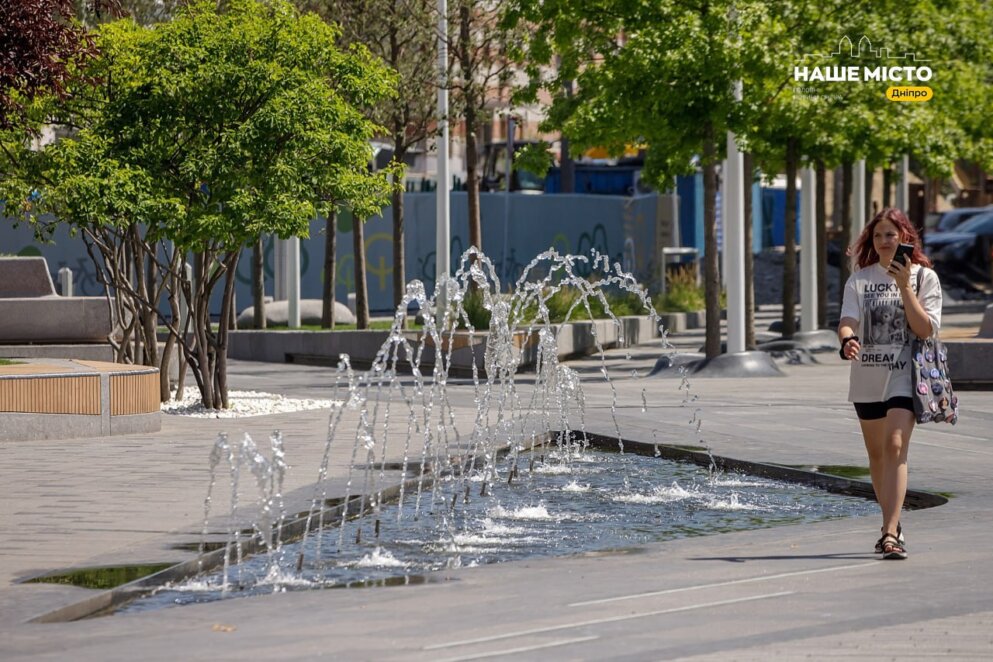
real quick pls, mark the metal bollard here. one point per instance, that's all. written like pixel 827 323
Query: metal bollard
pixel 65 281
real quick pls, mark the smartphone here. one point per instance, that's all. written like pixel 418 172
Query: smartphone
pixel 903 253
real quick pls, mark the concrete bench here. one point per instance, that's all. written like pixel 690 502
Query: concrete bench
pixel 31 313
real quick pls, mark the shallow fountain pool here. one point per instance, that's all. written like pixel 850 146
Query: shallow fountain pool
pixel 492 500
pixel 570 503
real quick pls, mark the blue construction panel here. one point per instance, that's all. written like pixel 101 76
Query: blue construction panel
pixel 756 217
pixel 773 228
pixel 686 188
pixel 596 180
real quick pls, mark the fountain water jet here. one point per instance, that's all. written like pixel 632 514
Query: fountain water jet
pixel 505 419
pixel 527 445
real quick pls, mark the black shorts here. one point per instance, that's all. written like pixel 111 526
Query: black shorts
pixel 871 411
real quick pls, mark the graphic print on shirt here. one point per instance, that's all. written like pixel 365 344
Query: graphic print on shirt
pixel 886 323
pixel 884 326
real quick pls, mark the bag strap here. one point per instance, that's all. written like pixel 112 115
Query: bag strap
pixel 920 281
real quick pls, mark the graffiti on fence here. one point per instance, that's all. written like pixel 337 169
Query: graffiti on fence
pixel 572 224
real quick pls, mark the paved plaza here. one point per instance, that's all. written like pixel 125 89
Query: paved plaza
pixel 811 591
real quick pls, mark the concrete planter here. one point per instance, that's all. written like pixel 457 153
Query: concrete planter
pixel 304 346
pixel 679 322
pixel 325 347
pixel 970 363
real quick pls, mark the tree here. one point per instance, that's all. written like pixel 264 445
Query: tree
pixel 825 124
pixel 402 33
pixel 842 123
pixel 481 65
pixel 42 47
pixel 659 74
pixel 202 134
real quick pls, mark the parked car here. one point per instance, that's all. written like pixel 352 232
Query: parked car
pixel 965 254
pixel 945 221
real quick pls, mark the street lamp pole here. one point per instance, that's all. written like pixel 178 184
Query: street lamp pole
pixel 734 239
pixel 443 223
pixel 808 250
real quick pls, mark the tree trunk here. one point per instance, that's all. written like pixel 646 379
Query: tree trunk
pixel 749 170
pixel 789 241
pixel 330 264
pixel 258 285
pixel 361 298
pixel 820 218
pixel 845 262
pixel 887 183
pixel 165 392
pixel 176 321
pixel 711 275
pixel 566 165
pixel 472 180
pixel 399 266
pixel 221 343
pixel 199 311
pixel 871 204
pixel 932 187
pixel 932 190
pixel 145 268
pixel 152 318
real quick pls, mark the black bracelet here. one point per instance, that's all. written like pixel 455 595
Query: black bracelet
pixel 844 343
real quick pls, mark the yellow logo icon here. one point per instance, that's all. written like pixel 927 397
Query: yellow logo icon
pixel 909 94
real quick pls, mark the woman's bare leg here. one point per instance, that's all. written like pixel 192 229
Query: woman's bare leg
pixel 896 443
pixel 874 435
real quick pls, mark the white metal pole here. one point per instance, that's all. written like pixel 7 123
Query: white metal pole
pixel 858 199
pixel 721 213
pixel 734 240
pixel 443 221
pixel 293 282
pixel 808 251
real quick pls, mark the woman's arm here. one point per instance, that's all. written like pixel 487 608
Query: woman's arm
pixel 846 328
pixel 917 318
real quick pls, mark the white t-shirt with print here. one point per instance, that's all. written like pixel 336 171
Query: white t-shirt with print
pixel 872 297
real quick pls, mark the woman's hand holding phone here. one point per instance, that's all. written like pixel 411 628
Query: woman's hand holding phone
pixel 903 253
pixel 899 267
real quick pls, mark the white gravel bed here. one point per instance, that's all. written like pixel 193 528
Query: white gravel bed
pixel 242 404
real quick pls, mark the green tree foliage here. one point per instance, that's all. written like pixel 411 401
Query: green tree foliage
pixel 661 74
pixel 789 124
pixel 202 134
pixel 658 74
pixel 838 123
pixel 403 34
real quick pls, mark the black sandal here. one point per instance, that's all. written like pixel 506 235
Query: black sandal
pixel 899 539
pixel 892 549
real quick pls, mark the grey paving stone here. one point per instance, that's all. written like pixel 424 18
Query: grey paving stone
pixel 812 590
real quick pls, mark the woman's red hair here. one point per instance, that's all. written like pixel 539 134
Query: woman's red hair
pixel 864 251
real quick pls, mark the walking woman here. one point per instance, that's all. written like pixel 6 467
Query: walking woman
pixel 881 308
